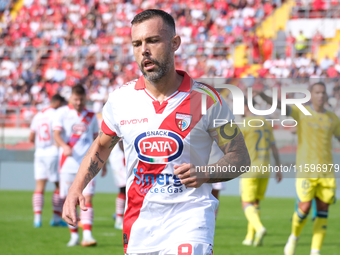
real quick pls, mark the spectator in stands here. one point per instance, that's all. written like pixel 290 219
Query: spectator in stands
pixel 317 40
pixel 326 63
pixel 290 41
pixel 280 43
pixel 267 48
pixel 300 43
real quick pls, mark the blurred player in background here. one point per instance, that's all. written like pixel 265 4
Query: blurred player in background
pixel 75 127
pixel 259 140
pixel 46 162
pixel 117 163
pixel 315 134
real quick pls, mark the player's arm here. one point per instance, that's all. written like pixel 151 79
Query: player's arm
pixel 234 162
pixel 67 150
pixel 278 175
pixel 33 128
pixel 337 129
pixel 31 137
pixel 236 159
pixel 91 164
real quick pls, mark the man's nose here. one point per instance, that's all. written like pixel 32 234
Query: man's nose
pixel 145 49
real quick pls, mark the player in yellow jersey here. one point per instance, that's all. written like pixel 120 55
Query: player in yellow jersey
pixel 314 160
pixel 259 138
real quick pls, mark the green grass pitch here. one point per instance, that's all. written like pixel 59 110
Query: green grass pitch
pixel 18 237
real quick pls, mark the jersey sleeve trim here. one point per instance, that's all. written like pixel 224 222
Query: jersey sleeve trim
pixel 107 130
pixel 57 128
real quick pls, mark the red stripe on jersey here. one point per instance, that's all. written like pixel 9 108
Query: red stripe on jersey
pixel 107 130
pixel 190 105
pixel 74 138
pixel 136 198
pixel 159 108
pixel 62 161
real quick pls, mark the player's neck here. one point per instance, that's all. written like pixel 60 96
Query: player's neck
pixel 166 86
pixel 318 108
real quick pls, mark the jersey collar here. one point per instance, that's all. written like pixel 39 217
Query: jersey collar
pixel 184 87
pixel 311 106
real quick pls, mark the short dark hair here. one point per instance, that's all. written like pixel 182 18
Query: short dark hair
pixel 152 13
pixel 319 83
pixel 57 98
pixel 78 90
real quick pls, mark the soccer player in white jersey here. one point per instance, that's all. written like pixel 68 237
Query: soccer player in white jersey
pixel 46 162
pixel 117 165
pixel 167 142
pixel 75 127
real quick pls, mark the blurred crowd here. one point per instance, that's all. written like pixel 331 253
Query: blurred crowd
pixel 52 45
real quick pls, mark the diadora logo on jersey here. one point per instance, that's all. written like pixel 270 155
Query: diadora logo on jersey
pixel 159 146
pixel 183 121
pixel 133 121
pixel 79 128
pixel 210 92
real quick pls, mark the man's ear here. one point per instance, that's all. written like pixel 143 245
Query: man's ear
pixel 175 42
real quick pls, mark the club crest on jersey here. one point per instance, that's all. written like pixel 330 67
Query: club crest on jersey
pixel 159 146
pixel 79 129
pixel 183 121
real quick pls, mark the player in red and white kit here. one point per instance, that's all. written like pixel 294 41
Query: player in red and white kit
pixel 46 162
pixel 75 127
pixel 167 141
pixel 117 164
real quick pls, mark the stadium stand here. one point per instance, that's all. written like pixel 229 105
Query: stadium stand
pixel 49 46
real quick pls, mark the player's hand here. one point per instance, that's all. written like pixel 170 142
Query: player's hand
pixel 67 151
pixel 104 170
pixel 189 177
pixel 278 177
pixel 70 207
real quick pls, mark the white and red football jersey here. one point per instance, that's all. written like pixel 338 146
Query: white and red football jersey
pixel 160 210
pixel 78 131
pixel 42 127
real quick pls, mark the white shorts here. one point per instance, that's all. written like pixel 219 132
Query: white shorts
pixel 46 168
pixel 188 248
pixel 218 185
pixel 117 165
pixel 66 180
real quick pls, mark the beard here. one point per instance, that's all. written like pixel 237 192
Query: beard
pixel 159 71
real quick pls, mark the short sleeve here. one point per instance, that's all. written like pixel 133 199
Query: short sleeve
pixel 109 125
pixel 33 126
pixel 219 114
pixel 220 127
pixel 57 123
